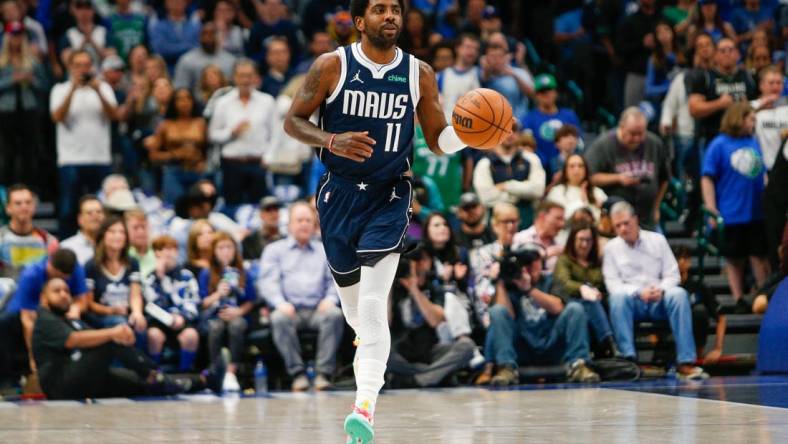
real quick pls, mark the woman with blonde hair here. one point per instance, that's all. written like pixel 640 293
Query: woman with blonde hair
pixel 22 80
pixel 211 79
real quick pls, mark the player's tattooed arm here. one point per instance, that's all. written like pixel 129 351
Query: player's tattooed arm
pixel 429 109
pixel 318 84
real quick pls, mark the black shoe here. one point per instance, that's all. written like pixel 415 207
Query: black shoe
pixel 214 375
pixel 608 348
pixel 398 381
pixel 742 307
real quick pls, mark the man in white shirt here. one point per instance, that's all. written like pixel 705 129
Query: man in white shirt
pixel 242 124
pixel 642 280
pixel 771 118
pixel 455 81
pixel 82 107
pixel 89 219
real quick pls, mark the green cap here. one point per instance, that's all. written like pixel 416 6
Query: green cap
pixel 544 82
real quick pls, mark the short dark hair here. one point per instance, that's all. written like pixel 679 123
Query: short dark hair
pixel 680 251
pixel 19 187
pixel 566 130
pixel 466 36
pixel 359 7
pixel 546 205
pixel 87 198
pixel 64 261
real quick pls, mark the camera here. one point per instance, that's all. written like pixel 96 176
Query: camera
pixel 87 77
pixel 513 261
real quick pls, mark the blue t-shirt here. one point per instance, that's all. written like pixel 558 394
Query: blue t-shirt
pixel 237 296
pixel 112 291
pixel 736 167
pixel 509 88
pixel 543 126
pixel 32 281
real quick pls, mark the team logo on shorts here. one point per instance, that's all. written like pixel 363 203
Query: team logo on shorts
pixel 394 195
pixel 747 162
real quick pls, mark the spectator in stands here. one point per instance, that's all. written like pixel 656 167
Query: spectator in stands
pixel 199 203
pixel 175 290
pixel 450 263
pixel 79 363
pixel 663 63
pixel 319 44
pixel 444 170
pixel 156 68
pixel 198 246
pixel 642 278
pixel 296 281
pixel 474 230
pixel 442 56
pixel 174 34
pixel 416 36
pixel 254 244
pixel 317 13
pixel 764 294
pixel 277 59
pixel 508 174
pixel 567 139
pixel 514 83
pixel 732 184
pixel 455 81
pixel 704 307
pixel 748 17
pixel 547 118
pixel 127 28
pixel 771 115
pixel 578 276
pixel 707 19
pixel 542 235
pixel 272 21
pixel 212 79
pixel 139 241
pixel 21 242
pixel 19 315
pixel 89 220
pixel 675 119
pixel 228 295
pixel 137 58
pixel 191 64
pixel 243 124
pixel 230 36
pixel 86 35
pixel 179 144
pixel 548 326
pixel 775 201
pixel 16 11
pixel 113 280
pixel 634 42
pixel 341 28
pixel 22 81
pixel 632 163
pixel 574 190
pixel 420 356
pixel 82 107
pixel 712 91
pixel 758 57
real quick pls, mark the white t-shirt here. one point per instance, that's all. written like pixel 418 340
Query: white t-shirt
pixel 83 138
pixel 769 123
pixel 453 84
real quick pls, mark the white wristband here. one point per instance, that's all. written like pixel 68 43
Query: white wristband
pixel 449 142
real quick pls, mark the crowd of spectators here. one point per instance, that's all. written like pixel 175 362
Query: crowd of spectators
pixel 186 217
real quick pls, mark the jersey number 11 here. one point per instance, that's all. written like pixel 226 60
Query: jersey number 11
pixel 390 128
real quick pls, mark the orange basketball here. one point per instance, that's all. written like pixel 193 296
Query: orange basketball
pixel 482 118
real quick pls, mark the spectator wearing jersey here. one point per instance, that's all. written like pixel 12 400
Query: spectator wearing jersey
pixel 547 118
pixel 771 114
pixel 455 81
pixel 21 242
pixel 173 289
pixel 174 34
pixel 127 28
pixel 733 184
pixel 86 35
pixel 444 170
pixel 509 174
pixel 89 220
pixel 228 294
pixel 190 66
pixel 82 108
pixel 113 280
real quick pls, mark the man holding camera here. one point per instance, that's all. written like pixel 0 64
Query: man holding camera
pixel 82 107
pixel 551 328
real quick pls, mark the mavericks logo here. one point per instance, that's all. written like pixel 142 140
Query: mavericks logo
pixel 747 162
pixel 547 130
pixel 396 78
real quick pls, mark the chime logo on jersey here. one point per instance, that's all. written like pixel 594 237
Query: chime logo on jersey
pixel 376 105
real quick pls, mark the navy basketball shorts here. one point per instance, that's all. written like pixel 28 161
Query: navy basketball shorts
pixel 361 223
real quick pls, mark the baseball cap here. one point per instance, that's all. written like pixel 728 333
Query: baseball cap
pixel 469 200
pixel 112 62
pixel 490 12
pixel 121 200
pixel 14 28
pixel 269 202
pixel 83 4
pixel 543 82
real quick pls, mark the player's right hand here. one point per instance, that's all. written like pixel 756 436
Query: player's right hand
pixel 356 146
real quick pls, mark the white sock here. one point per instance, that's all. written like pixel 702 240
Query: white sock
pixel 348 296
pixel 373 329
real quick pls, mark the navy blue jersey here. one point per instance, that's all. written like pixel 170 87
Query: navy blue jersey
pixel 109 290
pixel 377 98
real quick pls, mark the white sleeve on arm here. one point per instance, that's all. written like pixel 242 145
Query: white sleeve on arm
pixel 218 129
pixel 484 185
pixel 449 142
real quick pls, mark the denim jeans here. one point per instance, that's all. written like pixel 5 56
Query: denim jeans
pixel 176 181
pixel 74 182
pixel 568 335
pixel 597 318
pixel 626 309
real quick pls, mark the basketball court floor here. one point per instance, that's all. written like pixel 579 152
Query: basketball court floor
pixel 720 410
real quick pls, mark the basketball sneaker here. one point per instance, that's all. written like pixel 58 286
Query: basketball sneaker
pixel 358 425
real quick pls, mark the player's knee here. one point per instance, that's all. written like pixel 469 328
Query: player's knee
pixel 372 319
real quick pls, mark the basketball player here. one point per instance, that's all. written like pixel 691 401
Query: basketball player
pixel 368 94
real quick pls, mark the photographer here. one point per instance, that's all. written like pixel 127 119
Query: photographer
pixel 82 107
pixel 551 328
pixel 424 351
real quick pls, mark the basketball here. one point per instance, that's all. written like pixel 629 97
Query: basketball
pixel 482 118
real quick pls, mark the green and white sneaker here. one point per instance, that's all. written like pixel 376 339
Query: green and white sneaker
pixel 358 426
